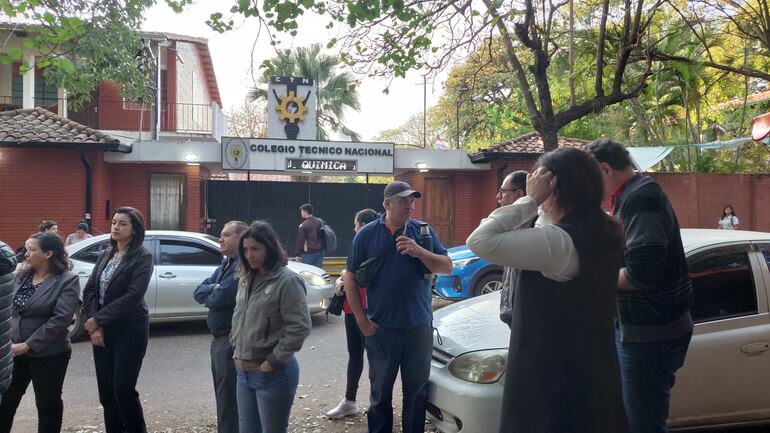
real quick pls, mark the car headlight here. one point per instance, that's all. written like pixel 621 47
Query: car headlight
pixel 484 366
pixel 312 279
pixel 464 262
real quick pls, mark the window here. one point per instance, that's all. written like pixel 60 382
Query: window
pixel 46 95
pixel 90 254
pixel 723 284
pixel 167 201
pixel 187 253
pixel 766 252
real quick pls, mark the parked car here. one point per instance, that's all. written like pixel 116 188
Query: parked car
pixel 182 261
pixel 472 276
pixel 726 376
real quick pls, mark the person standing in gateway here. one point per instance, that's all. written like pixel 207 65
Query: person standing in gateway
pixel 309 247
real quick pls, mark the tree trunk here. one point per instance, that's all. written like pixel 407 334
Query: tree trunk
pixel 550 139
pixel 572 98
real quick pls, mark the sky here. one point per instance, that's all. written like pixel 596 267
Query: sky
pixel 231 54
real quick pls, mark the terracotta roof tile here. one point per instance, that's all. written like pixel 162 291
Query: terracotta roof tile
pixel 530 143
pixel 36 125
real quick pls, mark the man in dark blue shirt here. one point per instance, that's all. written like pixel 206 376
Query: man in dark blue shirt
pixel 217 293
pixel 398 319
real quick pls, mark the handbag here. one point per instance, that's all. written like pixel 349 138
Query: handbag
pixel 367 272
pixel 335 304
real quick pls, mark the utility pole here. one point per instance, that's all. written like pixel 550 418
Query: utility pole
pixel 424 111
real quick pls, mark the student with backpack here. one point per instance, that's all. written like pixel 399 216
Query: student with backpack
pixel 309 247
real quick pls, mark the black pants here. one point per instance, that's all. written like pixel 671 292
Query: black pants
pixel 47 377
pixel 117 370
pixel 356 345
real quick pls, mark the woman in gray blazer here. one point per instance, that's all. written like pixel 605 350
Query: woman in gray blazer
pixel 45 298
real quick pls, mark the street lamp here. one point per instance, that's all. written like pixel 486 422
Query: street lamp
pixel 457 117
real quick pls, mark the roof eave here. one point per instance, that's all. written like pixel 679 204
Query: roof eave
pixel 489 156
pixel 106 147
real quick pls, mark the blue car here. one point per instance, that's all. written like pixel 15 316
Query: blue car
pixel 472 276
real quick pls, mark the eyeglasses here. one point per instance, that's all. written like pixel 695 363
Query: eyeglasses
pixel 504 190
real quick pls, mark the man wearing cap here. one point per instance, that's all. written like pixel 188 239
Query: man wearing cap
pixel 398 319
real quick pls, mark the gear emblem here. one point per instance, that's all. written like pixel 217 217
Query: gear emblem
pixel 291 108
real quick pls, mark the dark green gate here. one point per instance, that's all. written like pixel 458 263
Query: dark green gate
pixel 279 202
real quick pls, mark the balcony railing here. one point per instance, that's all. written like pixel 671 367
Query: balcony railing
pixel 184 117
pixel 174 117
pixel 9 103
pixel 123 115
pixel 15 102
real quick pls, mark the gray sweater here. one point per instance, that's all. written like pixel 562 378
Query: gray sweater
pixel 270 321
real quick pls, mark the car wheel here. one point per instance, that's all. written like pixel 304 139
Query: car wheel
pixel 487 284
pixel 76 330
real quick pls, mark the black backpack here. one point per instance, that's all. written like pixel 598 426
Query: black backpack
pixel 328 238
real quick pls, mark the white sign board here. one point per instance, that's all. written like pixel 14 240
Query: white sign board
pixel 291 108
pixel 265 154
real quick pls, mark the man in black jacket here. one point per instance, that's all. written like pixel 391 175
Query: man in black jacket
pixel 7 266
pixel 218 293
pixel 655 294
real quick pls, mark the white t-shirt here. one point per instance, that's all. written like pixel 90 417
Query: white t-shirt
pixel 729 222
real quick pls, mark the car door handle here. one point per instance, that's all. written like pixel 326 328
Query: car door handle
pixel 167 275
pixel 753 349
pixel 83 273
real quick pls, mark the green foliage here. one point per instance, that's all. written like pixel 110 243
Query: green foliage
pixel 81 43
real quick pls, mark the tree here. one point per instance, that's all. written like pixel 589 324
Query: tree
pixel 411 132
pixel 336 91
pixel 83 42
pixel 393 37
pixel 248 120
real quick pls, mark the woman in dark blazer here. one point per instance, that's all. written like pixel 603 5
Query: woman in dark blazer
pixel 118 320
pixel 45 298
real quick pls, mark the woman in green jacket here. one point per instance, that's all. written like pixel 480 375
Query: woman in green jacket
pixel 270 323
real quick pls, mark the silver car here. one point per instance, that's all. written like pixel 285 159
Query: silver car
pixel 182 261
pixel 726 376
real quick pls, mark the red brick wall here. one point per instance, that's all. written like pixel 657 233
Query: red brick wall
pixel 112 116
pixel 699 198
pixel 39 184
pixel 130 186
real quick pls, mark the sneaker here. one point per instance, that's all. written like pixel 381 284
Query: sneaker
pixel 345 408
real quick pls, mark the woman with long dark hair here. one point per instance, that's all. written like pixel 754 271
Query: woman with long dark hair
pixel 355 339
pixel 729 220
pixel 46 297
pixel 562 369
pixel 270 323
pixel 118 320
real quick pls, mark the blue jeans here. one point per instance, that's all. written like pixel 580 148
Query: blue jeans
pixel 647 373
pixel 388 350
pixel 315 258
pixel 265 399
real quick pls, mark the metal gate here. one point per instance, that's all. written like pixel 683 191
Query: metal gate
pixel 279 202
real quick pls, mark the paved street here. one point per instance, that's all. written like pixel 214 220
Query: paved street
pixel 177 394
pixel 176 388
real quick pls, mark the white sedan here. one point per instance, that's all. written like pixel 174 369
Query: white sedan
pixel 182 261
pixel 726 376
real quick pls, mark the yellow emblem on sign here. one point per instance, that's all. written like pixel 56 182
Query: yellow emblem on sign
pixel 291 108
